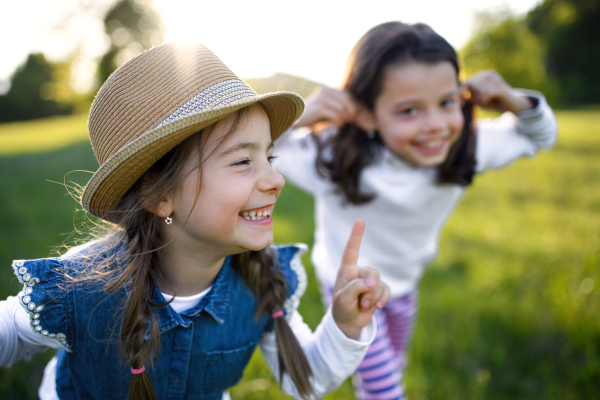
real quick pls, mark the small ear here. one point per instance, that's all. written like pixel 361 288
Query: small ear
pixel 365 119
pixel 162 209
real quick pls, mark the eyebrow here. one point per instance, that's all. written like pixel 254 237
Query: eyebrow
pixel 244 146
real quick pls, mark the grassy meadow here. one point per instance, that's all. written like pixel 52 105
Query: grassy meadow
pixel 510 309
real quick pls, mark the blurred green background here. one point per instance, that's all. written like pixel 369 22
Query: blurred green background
pixel 510 309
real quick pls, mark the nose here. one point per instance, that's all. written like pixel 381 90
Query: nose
pixel 270 180
pixel 434 122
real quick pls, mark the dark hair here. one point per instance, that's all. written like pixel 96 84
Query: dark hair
pixel 342 156
pixel 138 229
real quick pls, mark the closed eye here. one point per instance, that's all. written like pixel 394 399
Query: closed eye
pixel 271 158
pixel 244 161
pixel 408 111
pixel 448 102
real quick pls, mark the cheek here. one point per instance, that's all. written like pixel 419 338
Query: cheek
pixel 216 202
pixel 398 133
pixel 224 204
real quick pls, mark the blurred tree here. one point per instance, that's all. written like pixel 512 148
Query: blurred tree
pixel 279 82
pixel 569 28
pixel 504 42
pixel 133 26
pixel 38 89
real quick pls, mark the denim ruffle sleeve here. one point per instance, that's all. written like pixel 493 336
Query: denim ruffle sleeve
pixel 44 297
pixel 289 258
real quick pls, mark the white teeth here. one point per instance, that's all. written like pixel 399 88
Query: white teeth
pixel 255 216
pixel 433 144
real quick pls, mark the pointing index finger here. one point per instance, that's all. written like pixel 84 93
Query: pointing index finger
pixel 350 256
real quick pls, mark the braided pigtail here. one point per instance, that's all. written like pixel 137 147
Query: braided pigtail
pixel 139 229
pixel 133 346
pixel 291 358
pixel 139 336
pixel 268 283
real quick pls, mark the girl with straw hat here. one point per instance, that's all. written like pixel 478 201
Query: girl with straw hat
pixel 172 299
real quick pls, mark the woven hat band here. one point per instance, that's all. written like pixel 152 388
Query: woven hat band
pixel 215 96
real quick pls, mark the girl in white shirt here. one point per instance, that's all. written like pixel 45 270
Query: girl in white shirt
pixel 402 150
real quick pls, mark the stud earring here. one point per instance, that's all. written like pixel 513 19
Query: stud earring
pixel 169 220
pixel 371 134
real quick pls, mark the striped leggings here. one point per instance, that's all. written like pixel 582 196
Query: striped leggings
pixel 380 375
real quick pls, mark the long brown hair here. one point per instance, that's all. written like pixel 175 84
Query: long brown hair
pixel 138 229
pixel 343 156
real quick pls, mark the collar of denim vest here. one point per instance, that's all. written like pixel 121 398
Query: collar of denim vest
pixel 215 303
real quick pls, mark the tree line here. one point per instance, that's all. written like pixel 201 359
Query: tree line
pixel 554 48
pixel 40 88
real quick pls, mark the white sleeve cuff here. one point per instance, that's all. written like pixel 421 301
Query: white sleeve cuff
pixel 534 114
pixel 539 123
pixel 332 355
pixel 367 334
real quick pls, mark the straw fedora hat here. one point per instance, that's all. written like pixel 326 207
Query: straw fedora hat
pixel 155 101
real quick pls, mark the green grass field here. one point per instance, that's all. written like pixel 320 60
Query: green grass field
pixel 510 309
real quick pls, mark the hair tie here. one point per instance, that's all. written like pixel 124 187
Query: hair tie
pixel 138 371
pixel 277 314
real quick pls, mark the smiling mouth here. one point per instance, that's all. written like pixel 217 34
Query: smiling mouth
pixel 431 146
pixel 257 214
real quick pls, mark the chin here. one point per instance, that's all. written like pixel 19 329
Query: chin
pixel 260 245
pixel 432 160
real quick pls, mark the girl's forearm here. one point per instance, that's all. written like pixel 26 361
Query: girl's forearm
pixel 332 356
pixel 17 340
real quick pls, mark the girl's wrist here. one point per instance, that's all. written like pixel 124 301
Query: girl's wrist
pixel 350 332
pixel 521 103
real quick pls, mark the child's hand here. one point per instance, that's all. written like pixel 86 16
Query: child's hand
pixel 328 105
pixel 358 290
pixel 489 90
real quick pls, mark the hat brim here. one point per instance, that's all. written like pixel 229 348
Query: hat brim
pixel 113 178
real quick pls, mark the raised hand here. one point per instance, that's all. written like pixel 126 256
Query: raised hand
pixel 489 90
pixel 328 105
pixel 358 291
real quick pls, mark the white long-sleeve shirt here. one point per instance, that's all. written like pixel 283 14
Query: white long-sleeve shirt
pixel 404 221
pixel 332 356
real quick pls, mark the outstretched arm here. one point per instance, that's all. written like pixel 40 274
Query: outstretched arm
pixel 17 340
pixel 358 291
pixel 527 126
pixel 341 340
pixel 329 106
pixel 489 90
pixel 332 356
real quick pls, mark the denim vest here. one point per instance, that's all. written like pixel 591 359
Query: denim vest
pixel 203 350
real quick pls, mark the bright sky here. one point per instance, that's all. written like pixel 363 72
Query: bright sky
pixel 310 38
